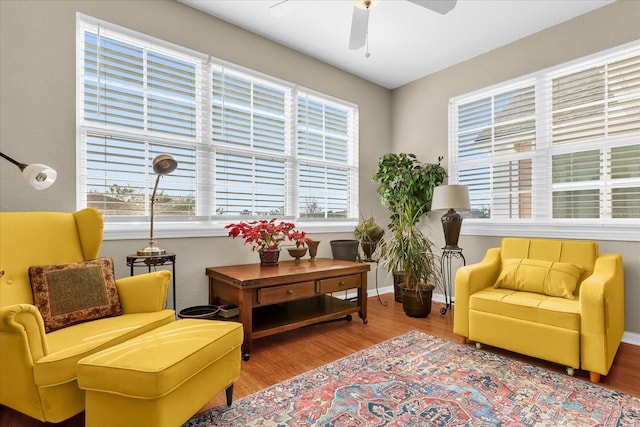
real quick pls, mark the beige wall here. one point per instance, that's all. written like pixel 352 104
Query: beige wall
pixel 37 109
pixel 420 110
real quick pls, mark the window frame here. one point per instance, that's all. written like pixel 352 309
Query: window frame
pixel 128 227
pixel 542 223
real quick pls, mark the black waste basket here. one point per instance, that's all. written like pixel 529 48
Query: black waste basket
pixel 199 312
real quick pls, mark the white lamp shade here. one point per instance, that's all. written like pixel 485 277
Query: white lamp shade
pixel 447 197
pixel 39 176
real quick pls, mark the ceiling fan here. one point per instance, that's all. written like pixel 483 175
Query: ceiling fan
pixel 360 19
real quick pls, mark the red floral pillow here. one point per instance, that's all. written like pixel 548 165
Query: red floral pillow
pixel 69 294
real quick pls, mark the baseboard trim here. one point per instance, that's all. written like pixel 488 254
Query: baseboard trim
pixel 631 338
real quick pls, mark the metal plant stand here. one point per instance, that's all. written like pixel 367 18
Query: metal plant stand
pixel 448 255
pixel 376 262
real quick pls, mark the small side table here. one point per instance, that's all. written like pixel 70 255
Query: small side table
pixel 447 275
pixel 155 261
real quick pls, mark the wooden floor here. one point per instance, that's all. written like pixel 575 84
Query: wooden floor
pixel 279 357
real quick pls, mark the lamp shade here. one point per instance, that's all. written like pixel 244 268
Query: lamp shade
pixel 447 197
pixel 39 176
pixel 164 164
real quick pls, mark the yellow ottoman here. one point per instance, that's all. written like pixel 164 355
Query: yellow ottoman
pixel 163 377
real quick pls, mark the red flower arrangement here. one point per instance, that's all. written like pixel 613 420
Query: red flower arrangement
pixel 265 234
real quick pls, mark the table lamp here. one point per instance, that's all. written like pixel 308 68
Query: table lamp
pixel 163 164
pixel 450 198
pixel 37 176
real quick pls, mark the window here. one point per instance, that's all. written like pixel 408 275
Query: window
pixel 555 152
pixel 247 145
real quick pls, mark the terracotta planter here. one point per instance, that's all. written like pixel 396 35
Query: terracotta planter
pixel 313 248
pixel 269 257
pixel 297 253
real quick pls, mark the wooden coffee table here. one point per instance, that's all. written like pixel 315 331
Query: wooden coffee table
pixel 290 295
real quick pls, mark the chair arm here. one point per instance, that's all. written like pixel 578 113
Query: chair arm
pixel 469 280
pixel 602 313
pixel 144 293
pixel 23 323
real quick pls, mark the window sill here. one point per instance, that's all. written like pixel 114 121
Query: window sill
pixel 121 230
pixel 559 229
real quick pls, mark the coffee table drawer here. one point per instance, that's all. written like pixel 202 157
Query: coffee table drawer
pixel 283 293
pixel 339 283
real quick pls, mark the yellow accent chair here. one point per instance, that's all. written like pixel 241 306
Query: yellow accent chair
pixel 38 369
pixel 556 300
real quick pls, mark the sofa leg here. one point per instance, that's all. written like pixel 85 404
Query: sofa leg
pixel 594 377
pixel 462 340
pixel 229 392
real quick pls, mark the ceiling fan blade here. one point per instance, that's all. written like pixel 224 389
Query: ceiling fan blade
pixel 441 6
pixel 280 9
pixel 359 24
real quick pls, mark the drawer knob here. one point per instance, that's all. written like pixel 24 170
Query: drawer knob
pixel 342 283
pixel 290 292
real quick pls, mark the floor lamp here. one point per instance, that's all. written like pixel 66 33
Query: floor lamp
pixel 37 176
pixel 163 164
pixel 450 198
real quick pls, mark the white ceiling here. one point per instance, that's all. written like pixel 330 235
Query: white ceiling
pixel 406 41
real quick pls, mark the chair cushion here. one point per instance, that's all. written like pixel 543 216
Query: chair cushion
pixel 67 294
pixel 558 279
pixel 528 306
pixel 68 345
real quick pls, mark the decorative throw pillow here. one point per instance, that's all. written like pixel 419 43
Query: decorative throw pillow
pixel 68 294
pixel 558 279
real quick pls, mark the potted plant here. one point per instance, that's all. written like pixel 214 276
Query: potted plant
pixel 407 250
pixel 403 177
pixel 369 233
pixel 405 186
pixel 265 237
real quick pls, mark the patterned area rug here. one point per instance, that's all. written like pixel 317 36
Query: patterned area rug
pixel 419 380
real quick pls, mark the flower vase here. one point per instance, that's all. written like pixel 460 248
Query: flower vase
pixel 297 253
pixel 313 249
pixel 269 257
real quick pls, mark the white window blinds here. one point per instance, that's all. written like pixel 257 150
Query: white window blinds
pixel 595 141
pixel 562 144
pixel 325 158
pixel 246 144
pixel 495 143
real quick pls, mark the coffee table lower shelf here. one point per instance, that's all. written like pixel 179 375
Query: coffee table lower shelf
pixel 276 318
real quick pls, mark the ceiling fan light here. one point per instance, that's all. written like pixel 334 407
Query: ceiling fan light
pixel 365 4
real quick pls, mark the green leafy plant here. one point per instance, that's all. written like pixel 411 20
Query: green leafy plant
pixel 402 179
pixel 368 230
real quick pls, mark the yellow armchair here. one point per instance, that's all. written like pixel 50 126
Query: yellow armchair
pixel 38 370
pixel 557 300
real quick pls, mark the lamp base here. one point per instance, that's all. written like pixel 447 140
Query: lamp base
pixel 451 224
pixel 152 250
